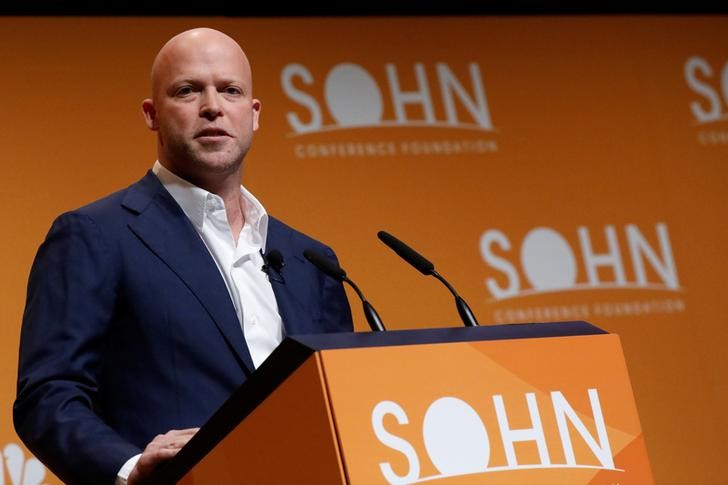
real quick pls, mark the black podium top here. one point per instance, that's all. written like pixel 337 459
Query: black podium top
pixel 444 335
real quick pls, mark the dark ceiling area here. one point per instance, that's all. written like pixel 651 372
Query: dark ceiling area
pixel 358 8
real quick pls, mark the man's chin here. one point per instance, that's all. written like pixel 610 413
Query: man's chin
pixel 219 162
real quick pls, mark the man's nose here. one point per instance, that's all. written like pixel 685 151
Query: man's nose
pixel 210 104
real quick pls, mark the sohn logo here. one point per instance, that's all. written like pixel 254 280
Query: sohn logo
pixel 352 97
pixel 457 441
pixel 551 264
pixel 710 106
pixel 17 469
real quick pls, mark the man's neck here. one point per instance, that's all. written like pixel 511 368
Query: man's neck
pixel 227 186
pixel 229 191
pixel 235 209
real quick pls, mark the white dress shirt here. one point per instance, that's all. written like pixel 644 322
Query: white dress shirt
pixel 239 262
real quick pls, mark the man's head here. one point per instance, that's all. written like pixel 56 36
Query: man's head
pixel 202 106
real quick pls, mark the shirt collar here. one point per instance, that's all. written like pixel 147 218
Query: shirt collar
pixel 193 200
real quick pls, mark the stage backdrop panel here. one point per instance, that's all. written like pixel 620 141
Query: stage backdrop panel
pixel 554 168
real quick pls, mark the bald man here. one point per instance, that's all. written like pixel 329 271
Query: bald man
pixel 148 308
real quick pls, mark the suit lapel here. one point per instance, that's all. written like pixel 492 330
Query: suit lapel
pixel 286 307
pixel 165 229
pixel 290 312
pixel 291 306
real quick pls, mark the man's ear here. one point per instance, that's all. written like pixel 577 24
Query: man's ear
pixel 150 114
pixel 256 113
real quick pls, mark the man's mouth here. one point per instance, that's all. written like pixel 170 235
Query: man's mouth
pixel 211 133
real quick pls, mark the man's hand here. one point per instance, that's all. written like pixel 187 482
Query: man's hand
pixel 161 448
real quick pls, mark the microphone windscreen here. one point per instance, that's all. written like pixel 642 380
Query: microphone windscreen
pixel 275 259
pixel 325 264
pixel 414 258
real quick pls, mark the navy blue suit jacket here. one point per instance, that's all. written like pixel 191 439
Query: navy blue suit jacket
pixel 129 330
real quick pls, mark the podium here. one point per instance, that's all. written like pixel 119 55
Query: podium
pixel 509 404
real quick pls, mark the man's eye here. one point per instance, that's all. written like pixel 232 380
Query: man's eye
pixel 183 91
pixel 233 90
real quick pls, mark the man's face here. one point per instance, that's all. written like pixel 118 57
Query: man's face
pixel 202 107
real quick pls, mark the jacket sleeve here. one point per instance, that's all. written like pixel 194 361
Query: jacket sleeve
pixel 69 309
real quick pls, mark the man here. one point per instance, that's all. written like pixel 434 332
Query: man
pixel 146 309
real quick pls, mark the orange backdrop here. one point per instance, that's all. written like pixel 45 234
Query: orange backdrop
pixel 553 168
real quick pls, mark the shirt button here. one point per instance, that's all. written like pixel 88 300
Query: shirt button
pixel 253 320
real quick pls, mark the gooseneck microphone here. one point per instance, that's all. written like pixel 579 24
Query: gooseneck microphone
pixel 425 267
pixel 332 269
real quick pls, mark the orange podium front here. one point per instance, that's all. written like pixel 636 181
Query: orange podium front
pixel 512 404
